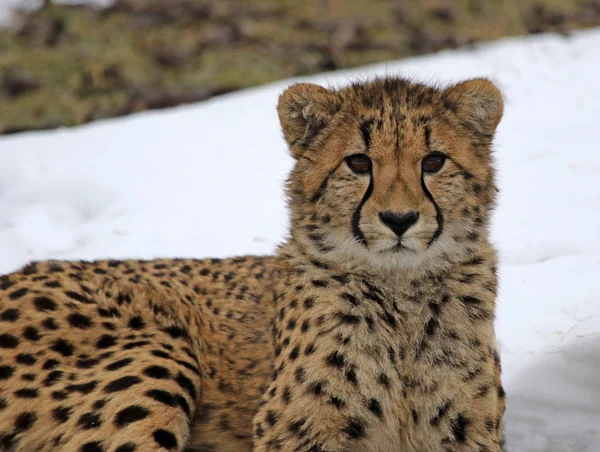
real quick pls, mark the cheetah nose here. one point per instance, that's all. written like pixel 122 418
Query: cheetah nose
pixel 399 222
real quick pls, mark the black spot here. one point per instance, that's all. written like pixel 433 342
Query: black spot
pixel 310 349
pixel 316 387
pixel 175 332
pixel 84 388
pixel 165 438
pixel 89 421
pixel 78 320
pixel 27 393
pixel 53 284
pixel 9 315
pixel 122 383
pixel 157 372
pixel 336 359
pixel 28 377
pixel 24 421
pixel 305 326
pixel 351 376
pixel 375 407
pixel 294 353
pixel 350 299
pixel 161 396
pixel 53 377
pixel 8 341
pixel 61 413
pixel 137 323
pixel 131 414
pixel 389 319
pixel 59 395
pixel 286 395
pixel 186 384
pixel 87 363
pixel 347 318
pixel 31 333
pixel 383 379
pixel 459 428
pixel 26 358
pixel 161 354
pixel 92 446
pixel 430 326
pixel 17 293
pixel 271 417
pixel 50 364
pixel 50 324
pixel 336 402
pixel 470 300
pixel 98 404
pixel 183 404
pixel 106 341
pixel 415 416
pixel 135 344
pixel 300 374
pixel 127 447
pixel 119 364
pixel 63 347
pixel 44 304
pixel 123 298
pixel 309 302
pixel 501 392
pixel 440 414
pixel 355 428
pixel 297 425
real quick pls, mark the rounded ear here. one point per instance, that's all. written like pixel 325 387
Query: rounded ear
pixel 477 103
pixel 305 110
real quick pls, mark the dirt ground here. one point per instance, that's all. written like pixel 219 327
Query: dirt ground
pixel 68 65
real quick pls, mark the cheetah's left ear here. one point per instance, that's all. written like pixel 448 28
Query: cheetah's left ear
pixel 304 111
pixel 477 103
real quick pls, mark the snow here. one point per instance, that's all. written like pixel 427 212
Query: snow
pixel 206 180
pixel 9 7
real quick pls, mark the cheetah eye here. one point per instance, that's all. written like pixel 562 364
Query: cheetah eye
pixel 359 163
pixel 433 162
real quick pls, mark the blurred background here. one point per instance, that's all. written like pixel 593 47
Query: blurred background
pixel 64 63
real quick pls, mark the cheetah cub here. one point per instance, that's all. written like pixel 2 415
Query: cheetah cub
pixel 385 298
pixel 371 329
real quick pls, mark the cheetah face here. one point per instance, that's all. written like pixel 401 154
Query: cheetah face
pixel 390 171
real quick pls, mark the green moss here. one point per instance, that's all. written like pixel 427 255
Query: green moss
pixel 64 66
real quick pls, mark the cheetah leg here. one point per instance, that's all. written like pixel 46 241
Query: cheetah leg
pixel 143 399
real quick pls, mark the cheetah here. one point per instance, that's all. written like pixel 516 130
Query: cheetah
pixel 370 329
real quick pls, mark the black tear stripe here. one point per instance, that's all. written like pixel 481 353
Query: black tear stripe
pixel 438 212
pixel 356 215
pixel 365 130
pixel 322 187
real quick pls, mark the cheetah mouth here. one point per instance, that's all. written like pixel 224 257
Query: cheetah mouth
pixel 399 247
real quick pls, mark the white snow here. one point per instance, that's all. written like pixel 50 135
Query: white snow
pixel 206 180
pixel 8 7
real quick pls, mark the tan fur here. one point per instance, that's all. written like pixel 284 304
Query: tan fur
pixel 348 339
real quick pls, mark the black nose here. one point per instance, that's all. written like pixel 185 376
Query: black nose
pixel 399 222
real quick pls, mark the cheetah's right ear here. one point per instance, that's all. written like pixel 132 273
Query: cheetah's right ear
pixel 304 111
pixel 477 103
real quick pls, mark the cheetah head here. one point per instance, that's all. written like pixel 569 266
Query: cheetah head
pixel 390 172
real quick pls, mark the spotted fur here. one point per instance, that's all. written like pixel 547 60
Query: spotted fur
pixel 351 337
